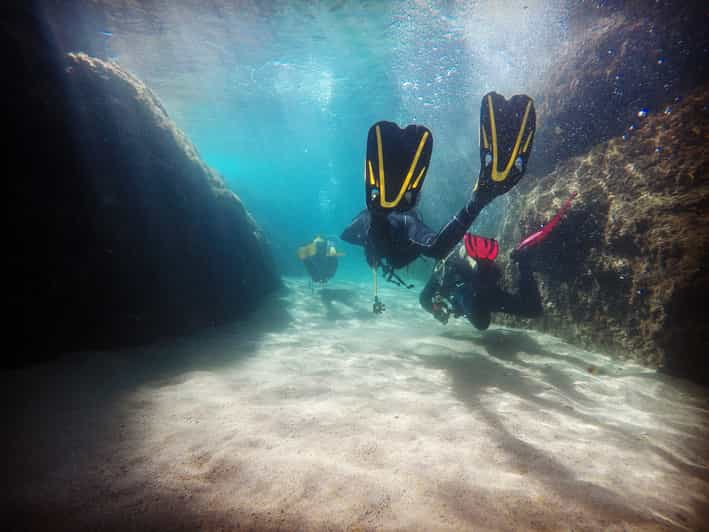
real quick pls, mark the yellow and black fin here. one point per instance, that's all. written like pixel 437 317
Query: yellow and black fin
pixel 506 136
pixel 395 166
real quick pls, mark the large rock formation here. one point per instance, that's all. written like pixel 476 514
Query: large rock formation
pixel 119 232
pixel 627 269
pixel 623 120
pixel 620 61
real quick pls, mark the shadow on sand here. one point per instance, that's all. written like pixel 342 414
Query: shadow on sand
pixel 91 384
pixel 472 376
pixel 117 371
pixel 64 408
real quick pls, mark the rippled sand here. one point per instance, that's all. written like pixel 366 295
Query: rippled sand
pixel 319 415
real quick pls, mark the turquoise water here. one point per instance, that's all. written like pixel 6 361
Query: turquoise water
pixel 279 99
pixel 313 412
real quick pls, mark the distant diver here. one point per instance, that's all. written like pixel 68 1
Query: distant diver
pixel 466 282
pixel 320 259
pixel 390 229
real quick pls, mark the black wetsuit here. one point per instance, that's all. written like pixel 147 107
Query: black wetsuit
pixel 473 290
pixel 401 237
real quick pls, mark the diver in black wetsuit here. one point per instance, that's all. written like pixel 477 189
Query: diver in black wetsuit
pixel 466 282
pixel 390 230
pixel 463 286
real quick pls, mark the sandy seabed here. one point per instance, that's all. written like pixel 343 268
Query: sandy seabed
pixel 318 415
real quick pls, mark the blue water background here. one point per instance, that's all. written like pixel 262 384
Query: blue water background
pixel 278 97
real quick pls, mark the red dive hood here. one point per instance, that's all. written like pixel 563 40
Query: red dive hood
pixel 480 248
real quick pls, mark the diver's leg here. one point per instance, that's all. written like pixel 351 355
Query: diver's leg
pixel 480 318
pixel 439 245
pixel 506 133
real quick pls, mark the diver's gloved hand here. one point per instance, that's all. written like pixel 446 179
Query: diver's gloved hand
pixel 524 257
pixel 506 133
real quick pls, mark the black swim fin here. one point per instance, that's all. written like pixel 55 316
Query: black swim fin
pixel 396 165
pixel 506 135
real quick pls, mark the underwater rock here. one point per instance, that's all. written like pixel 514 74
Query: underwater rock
pixel 121 233
pixel 621 65
pixel 626 270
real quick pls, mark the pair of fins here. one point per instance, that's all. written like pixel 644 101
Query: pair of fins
pixel 397 159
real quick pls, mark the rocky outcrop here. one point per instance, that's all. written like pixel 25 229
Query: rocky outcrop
pixel 626 271
pixel 620 62
pixel 119 232
pixel 623 121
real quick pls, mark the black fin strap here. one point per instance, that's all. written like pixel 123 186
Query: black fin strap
pixel 392 277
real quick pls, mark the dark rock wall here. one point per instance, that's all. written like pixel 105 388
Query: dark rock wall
pixel 621 58
pixel 626 270
pixel 623 120
pixel 119 233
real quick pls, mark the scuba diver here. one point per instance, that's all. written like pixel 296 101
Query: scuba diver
pixel 390 229
pixel 466 282
pixel 320 259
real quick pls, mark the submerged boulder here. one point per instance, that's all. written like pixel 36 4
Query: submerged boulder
pixel 621 62
pixel 626 271
pixel 121 233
